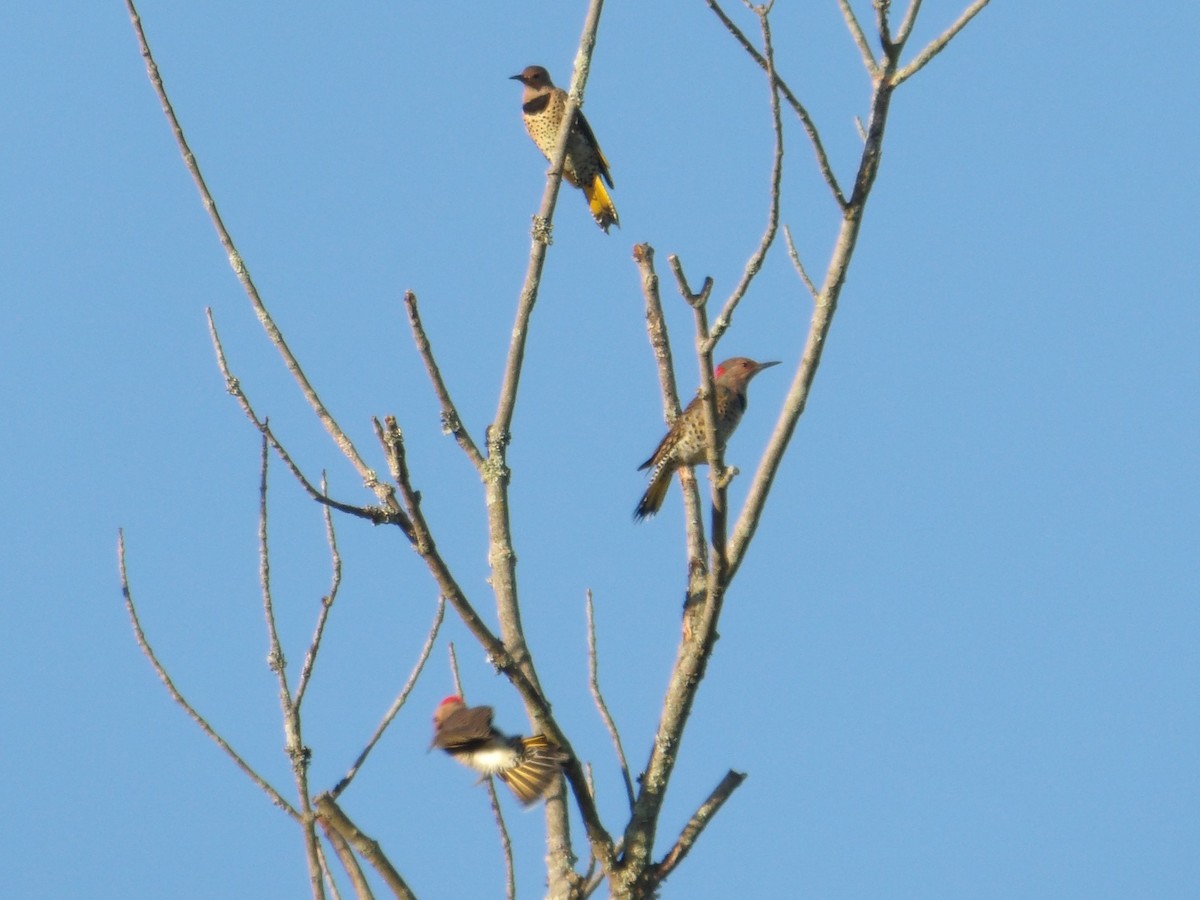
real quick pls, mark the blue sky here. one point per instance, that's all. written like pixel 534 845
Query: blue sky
pixel 961 656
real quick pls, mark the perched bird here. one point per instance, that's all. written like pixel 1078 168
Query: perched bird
pixel 542 108
pixel 528 765
pixel 686 444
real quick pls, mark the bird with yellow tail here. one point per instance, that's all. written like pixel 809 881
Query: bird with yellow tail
pixel 542 108
pixel 528 765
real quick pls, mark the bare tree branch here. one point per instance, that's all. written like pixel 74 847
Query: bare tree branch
pixel 362 890
pixel 860 39
pixel 714 449
pixel 656 328
pixel 370 479
pixel 697 823
pixel 910 19
pixel 314 647
pixel 798 265
pixel 693 513
pixel 938 44
pixel 144 644
pixel 725 319
pixel 393 442
pixel 510 877
pixel 330 884
pixel 458 688
pixel 593 883
pixel 397 703
pixel 332 817
pixel 388 514
pixel 451 422
pixel 810 127
pixel 298 754
pixel 598 697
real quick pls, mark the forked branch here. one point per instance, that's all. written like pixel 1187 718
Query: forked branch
pixel 340 438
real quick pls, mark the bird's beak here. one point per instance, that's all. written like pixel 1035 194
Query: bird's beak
pixel 766 365
pixel 516 77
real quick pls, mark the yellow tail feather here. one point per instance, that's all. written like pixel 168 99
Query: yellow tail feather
pixel 601 205
pixel 536 773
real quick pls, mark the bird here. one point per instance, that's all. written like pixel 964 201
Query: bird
pixel 528 765
pixel 686 443
pixel 542 108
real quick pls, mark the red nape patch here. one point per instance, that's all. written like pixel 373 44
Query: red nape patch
pixel 454 699
pixel 719 371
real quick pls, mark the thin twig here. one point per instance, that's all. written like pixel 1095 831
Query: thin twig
pixel 330 884
pixel 656 328
pixel 332 817
pixel 725 319
pixel 587 873
pixel 708 404
pixel 810 127
pixel 860 38
pixel 144 644
pixel 938 44
pixel 388 514
pixel 697 823
pixel 458 688
pixel 510 877
pixel 693 512
pixel 692 298
pixel 314 647
pixel 910 19
pixel 398 702
pixel 451 421
pixel 275 658
pixel 798 265
pixel 362 890
pixel 340 438
pixel 598 697
pixel 298 754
